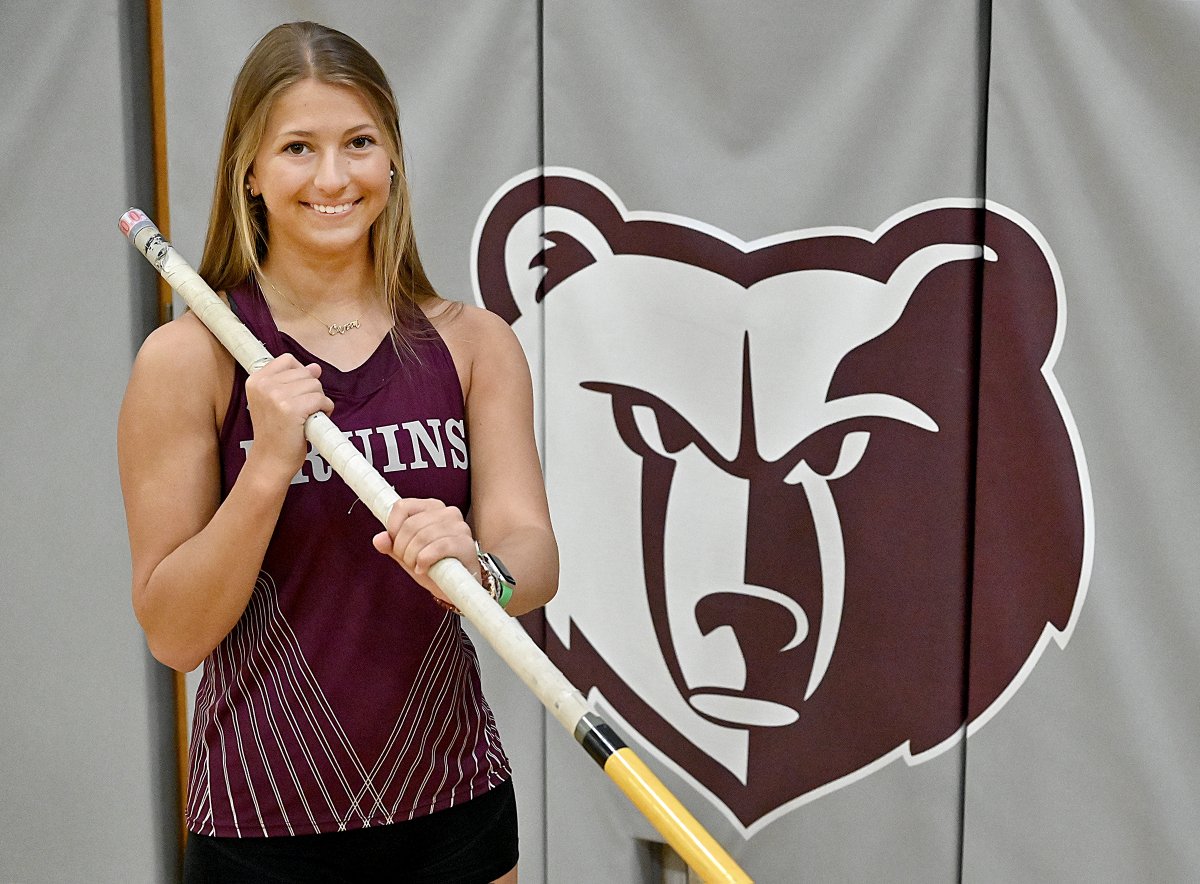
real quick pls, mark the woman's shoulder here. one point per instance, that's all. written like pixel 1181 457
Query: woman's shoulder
pixel 465 321
pixel 475 337
pixel 471 331
pixel 182 361
pixel 183 344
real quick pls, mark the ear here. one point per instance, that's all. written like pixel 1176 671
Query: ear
pixel 252 181
pixel 537 231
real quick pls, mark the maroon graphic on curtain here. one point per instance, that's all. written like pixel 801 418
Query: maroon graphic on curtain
pixel 820 499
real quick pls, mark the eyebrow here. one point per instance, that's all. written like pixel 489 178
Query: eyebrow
pixel 305 133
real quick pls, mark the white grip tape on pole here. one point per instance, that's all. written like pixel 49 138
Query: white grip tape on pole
pixel 502 632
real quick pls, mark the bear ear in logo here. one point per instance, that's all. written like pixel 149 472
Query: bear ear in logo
pixel 536 232
pixel 562 256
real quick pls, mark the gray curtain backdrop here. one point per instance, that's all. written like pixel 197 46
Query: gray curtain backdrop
pixel 87 785
pixel 758 118
pixel 1092 772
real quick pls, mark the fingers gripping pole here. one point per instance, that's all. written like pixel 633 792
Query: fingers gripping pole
pixel 501 631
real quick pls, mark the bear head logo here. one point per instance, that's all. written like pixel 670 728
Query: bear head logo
pixel 820 499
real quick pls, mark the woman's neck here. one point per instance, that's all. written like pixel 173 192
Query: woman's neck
pixel 330 307
pixel 308 281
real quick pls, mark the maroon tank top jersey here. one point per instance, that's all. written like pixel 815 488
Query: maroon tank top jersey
pixel 345 697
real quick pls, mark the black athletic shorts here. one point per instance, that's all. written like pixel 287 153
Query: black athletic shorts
pixel 471 843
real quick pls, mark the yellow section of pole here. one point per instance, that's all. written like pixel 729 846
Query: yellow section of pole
pixel 680 828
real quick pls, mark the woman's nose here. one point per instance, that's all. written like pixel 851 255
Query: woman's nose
pixel 333 173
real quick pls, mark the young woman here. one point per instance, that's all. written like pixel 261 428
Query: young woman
pixel 340 731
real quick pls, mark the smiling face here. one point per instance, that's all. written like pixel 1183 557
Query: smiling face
pixel 322 171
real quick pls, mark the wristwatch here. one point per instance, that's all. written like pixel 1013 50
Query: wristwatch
pixel 496 579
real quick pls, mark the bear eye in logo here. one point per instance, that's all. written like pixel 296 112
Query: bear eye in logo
pixel 820 501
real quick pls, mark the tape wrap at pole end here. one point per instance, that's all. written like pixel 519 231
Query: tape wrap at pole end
pixel 133 221
pixel 597 738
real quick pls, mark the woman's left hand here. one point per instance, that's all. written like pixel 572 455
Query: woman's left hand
pixel 421 532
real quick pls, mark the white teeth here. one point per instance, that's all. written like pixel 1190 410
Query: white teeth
pixel 332 210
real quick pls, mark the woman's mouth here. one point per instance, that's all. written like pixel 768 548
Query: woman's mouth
pixel 335 209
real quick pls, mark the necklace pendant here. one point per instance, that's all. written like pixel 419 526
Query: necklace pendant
pixel 335 329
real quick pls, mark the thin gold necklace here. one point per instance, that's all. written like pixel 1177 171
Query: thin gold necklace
pixel 332 327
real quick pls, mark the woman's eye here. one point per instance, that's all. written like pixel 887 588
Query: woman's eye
pixel 296 148
pixel 361 142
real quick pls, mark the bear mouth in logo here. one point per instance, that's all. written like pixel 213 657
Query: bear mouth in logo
pixel 738 711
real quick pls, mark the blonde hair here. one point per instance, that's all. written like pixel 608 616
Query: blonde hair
pixel 237 239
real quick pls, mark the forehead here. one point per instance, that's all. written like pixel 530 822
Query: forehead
pixel 313 106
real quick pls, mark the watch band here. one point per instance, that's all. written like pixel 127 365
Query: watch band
pixel 496 579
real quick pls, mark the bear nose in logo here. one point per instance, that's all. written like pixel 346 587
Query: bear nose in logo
pixel 755 616
pixel 766 623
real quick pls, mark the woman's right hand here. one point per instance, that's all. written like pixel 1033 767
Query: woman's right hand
pixel 280 396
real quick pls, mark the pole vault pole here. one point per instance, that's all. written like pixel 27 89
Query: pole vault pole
pixel 681 830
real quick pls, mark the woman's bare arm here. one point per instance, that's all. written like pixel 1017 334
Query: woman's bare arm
pixel 196 558
pixel 509 512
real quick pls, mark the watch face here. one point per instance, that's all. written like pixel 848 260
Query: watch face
pixel 504 575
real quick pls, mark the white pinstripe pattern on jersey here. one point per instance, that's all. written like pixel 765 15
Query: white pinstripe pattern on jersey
pixel 261 672
pixel 199 807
